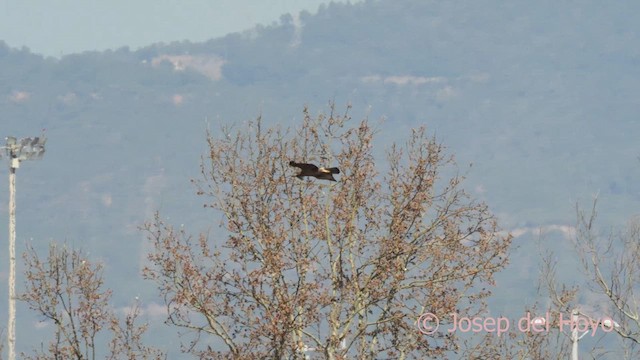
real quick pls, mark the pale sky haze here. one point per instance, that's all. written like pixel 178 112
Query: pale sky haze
pixel 62 27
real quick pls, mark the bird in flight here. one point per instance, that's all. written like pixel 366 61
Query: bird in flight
pixel 317 172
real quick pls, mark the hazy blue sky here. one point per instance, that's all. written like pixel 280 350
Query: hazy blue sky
pixel 58 27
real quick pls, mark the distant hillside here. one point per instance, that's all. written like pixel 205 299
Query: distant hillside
pixel 542 98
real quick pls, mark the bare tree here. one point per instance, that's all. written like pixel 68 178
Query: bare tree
pixel 611 280
pixel 126 342
pixel 315 268
pixel 68 290
pixel 527 343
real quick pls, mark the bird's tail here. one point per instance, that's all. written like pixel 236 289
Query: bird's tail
pixel 334 170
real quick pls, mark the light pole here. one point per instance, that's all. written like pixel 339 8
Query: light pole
pixel 575 316
pixel 17 151
pixel 575 332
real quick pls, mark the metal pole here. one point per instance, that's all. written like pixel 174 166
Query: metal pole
pixel 11 327
pixel 574 335
pixel 25 149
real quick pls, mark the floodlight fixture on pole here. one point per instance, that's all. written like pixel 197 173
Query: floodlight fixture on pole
pixel 608 323
pixel 16 151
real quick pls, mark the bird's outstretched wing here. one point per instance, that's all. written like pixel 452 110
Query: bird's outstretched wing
pixel 306 169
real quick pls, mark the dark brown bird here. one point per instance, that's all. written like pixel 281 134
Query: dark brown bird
pixel 317 172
